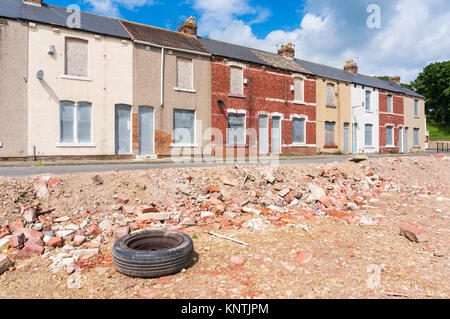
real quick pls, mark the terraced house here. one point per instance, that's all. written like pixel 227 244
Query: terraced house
pixel 79 85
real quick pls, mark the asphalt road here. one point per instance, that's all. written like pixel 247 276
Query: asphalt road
pixel 68 169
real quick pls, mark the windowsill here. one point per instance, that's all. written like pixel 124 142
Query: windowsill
pixel 184 145
pixel 298 145
pixel 330 146
pixel 390 146
pixel 237 146
pixel 298 102
pixel 369 111
pixel 332 106
pixel 184 90
pixel 76 145
pixel 369 146
pixel 74 77
pixel 417 117
pixel 239 96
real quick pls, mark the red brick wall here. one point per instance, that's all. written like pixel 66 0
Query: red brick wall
pixel 396 119
pixel 263 84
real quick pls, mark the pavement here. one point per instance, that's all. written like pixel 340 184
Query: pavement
pixel 22 169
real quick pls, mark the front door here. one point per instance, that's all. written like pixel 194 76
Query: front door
pixel 345 138
pixel 354 137
pixel 406 140
pixel 123 129
pixel 276 135
pixel 263 125
pixel 400 139
pixel 146 131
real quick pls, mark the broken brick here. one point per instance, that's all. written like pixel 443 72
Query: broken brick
pixel 55 242
pixel 414 233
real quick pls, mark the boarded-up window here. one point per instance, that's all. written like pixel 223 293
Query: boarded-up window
pixel 329 133
pixel 298 130
pixel 416 108
pixel 84 122
pixel 183 127
pixel 184 73
pixel 416 136
pixel 66 121
pixel 368 134
pixel 236 85
pixel 76 57
pixel 389 103
pixel 368 98
pixel 389 135
pixel 330 94
pixel 236 129
pixel 298 89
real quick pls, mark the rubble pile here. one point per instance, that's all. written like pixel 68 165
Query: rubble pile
pixel 70 219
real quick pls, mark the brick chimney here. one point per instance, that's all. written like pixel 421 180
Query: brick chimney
pixel 36 2
pixel 395 79
pixel 350 66
pixel 287 51
pixel 189 27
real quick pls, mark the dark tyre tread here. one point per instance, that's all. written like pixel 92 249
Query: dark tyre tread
pixel 152 264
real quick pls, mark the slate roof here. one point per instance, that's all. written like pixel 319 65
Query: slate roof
pixel 163 37
pixel 251 55
pixel 326 71
pixel 54 15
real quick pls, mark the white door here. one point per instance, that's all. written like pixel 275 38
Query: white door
pixel 146 131
pixel 123 129
pixel 263 125
pixel 276 135
pixel 400 139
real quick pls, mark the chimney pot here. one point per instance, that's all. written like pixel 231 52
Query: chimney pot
pixel 189 27
pixel 287 50
pixel 350 66
pixel 395 79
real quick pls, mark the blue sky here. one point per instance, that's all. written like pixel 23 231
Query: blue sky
pixel 413 33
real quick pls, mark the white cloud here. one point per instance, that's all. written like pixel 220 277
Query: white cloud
pixel 112 7
pixel 413 34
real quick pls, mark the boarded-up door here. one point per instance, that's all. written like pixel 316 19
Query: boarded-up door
pixel 405 150
pixel 400 139
pixel 276 135
pixel 263 123
pixel 346 150
pixel 146 136
pixel 123 129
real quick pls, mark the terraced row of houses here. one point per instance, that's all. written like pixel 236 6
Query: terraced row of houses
pixel 109 88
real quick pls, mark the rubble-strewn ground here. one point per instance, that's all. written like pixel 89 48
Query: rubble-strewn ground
pixel 314 231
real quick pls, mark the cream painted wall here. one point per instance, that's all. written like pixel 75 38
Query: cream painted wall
pixel 110 73
pixel 412 122
pixel 13 88
pixel 341 114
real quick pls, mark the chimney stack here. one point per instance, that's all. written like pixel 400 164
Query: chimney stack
pixel 395 79
pixel 350 66
pixel 189 27
pixel 287 50
pixel 36 2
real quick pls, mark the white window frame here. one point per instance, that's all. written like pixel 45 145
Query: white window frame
pixel 305 118
pixel 370 100
pixel 371 135
pixel 75 142
pixel 187 90
pixel 393 135
pixel 392 103
pixel 175 145
pixel 237 112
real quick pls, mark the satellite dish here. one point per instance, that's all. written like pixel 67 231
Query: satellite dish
pixel 40 75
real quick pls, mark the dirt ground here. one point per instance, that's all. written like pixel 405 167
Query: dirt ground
pixel 346 244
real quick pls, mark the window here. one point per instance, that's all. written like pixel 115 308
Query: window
pixel 76 59
pixel 389 135
pixel 329 133
pixel 416 108
pixel 236 129
pixel 368 99
pixel 389 103
pixel 184 74
pixel 183 127
pixel 368 134
pixel 298 130
pixel 236 82
pixel 416 137
pixel 298 89
pixel 75 121
pixel 330 94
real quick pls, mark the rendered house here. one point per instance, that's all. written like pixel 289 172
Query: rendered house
pixel 262 103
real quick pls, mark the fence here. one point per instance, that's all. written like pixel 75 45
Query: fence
pixel 442 147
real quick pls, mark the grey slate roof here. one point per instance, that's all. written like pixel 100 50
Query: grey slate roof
pixel 57 16
pixel 326 71
pixel 251 55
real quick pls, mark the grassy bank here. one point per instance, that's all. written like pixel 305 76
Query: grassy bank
pixel 438 131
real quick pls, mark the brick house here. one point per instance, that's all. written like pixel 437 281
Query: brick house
pixel 262 103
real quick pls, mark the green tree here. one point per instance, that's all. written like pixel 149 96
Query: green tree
pixel 434 83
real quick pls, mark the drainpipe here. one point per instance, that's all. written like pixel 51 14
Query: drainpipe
pixel 162 76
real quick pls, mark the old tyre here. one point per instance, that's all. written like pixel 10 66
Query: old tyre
pixel 152 254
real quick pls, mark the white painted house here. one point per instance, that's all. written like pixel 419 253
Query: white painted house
pixel 365 119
